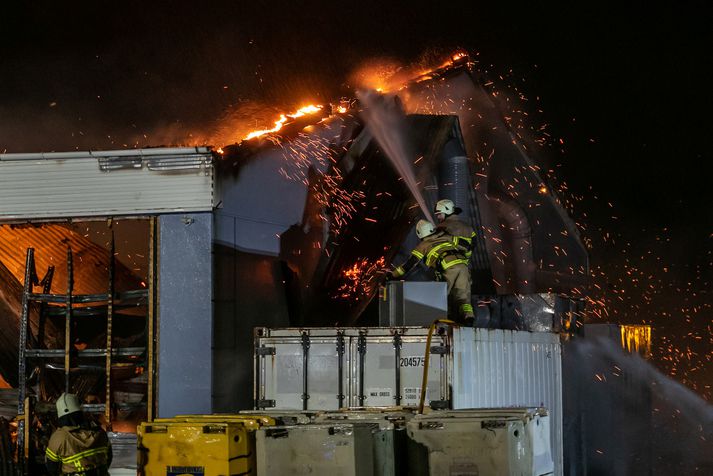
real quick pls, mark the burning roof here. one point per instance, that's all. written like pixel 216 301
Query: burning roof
pixel 532 245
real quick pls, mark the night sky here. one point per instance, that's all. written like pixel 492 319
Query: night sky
pixel 627 89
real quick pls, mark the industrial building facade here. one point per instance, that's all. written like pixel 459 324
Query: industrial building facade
pixel 166 197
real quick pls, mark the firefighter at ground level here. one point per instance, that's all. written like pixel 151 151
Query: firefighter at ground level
pixel 77 447
pixel 438 251
pixel 463 235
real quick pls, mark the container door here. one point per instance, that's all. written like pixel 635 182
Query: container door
pixel 412 362
pixel 323 386
pixel 300 373
pixel 392 370
pixel 280 370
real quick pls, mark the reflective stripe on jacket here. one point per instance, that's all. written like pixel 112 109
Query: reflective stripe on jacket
pixel 437 251
pixel 79 449
pixel 461 232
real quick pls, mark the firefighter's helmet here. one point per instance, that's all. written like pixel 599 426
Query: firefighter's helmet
pixel 67 403
pixel 445 206
pixel 424 228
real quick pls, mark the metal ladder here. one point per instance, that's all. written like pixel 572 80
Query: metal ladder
pixel 65 304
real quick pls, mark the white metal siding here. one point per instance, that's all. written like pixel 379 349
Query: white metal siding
pixel 57 185
pixel 498 368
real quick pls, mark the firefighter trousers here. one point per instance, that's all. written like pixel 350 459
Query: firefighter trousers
pixel 459 288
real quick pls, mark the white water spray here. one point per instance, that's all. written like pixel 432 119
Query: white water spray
pixel 681 428
pixel 386 123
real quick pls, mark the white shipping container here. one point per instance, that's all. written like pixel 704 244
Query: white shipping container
pixel 477 442
pixel 310 368
pixel 470 368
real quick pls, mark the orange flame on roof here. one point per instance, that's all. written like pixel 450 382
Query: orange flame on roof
pixel 303 111
pixel 387 76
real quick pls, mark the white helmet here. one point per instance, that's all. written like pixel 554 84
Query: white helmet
pixel 67 403
pixel 447 207
pixel 424 228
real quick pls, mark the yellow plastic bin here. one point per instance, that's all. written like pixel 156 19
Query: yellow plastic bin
pixel 254 421
pixel 196 448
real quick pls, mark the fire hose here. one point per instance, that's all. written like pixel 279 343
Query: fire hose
pixel 427 359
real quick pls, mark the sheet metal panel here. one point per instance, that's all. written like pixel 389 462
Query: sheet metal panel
pixel 499 368
pixel 262 202
pixel 123 446
pixel 412 303
pixel 50 243
pixel 122 182
pixel 185 319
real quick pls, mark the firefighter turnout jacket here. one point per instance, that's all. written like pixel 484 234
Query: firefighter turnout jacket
pixel 437 251
pixel 79 451
pixel 463 235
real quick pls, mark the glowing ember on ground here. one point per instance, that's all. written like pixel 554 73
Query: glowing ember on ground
pixel 284 118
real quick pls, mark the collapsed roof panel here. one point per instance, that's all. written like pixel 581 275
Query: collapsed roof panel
pixel 263 185
pixel 91 276
pixel 91 264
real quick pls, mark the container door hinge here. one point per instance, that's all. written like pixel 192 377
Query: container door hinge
pixel 440 349
pixel 265 403
pixel 439 404
pixel 361 348
pixel 397 368
pixel 341 348
pixel 266 350
pixel 305 375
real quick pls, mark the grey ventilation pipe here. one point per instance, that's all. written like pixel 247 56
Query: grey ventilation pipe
pixel 456 183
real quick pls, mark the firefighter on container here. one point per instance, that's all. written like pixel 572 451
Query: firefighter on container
pixel 77 447
pixel 463 235
pixel 438 251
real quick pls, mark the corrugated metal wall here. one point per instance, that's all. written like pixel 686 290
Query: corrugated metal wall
pixel 499 368
pixel 124 182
